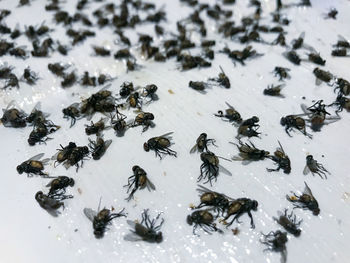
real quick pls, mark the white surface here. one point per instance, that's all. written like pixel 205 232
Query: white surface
pixel 30 234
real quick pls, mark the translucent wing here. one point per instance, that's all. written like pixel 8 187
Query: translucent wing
pixel 307 190
pixel 167 135
pixel 280 148
pixel 224 170
pixel 318 82
pixel 90 213
pixel 306 170
pixel 229 105
pixel 150 185
pixel 194 149
pixel 45 161
pixel 305 109
pixel 132 237
pixel 37 157
pixel 108 143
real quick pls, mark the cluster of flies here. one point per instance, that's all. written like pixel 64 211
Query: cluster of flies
pixel 129 15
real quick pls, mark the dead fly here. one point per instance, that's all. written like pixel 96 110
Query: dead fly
pixel 248 153
pixel 238 207
pixel 126 89
pixel 231 115
pixel 150 92
pixel 282 73
pixel 4 13
pixel 33 166
pixel 138 181
pixel 12 81
pixel 123 54
pixel 103 78
pixel 5 71
pixel 316 58
pixel 131 65
pixel 86 80
pixel 202 143
pixel 189 62
pixel 160 145
pixel 18 52
pixel 199 86
pixel 76 155
pixel 204 219
pixel 275 91
pixel 340 52
pixel 134 100
pixel 305 201
pixel 281 159
pixel 144 119
pixel 99 147
pixel 276 241
pixel 97 127
pixel 209 169
pixel 101 51
pixel 298 43
pixel 241 55
pixel 5 46
pixel 40 132
pixel 101 219
pixel 59 184
pixel 289 222
pixel 13 116
pixel 101 101
pixel 29 76
pixel 63 153
pixel 68 80
pixel 57 69
pixel 51 205
pixel 119 125
pixel 146 230
pixel 342 42
pixel 294 121
pixel 322 75
pixel 292 56
pixel 341 103
pixel 62 49
pixel 343 85
pixel 219 202
pixel 331 14
pixel 318 115
pixel 71 112
pixel 280 40
pixel 222 79
pixel 249 127
pixel 314 167
pixel 37 117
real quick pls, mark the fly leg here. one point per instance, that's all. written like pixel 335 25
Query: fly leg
pixel 251 219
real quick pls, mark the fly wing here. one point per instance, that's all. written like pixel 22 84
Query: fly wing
pixel 306 170
pixel 202 189
pixel 150 185
pixel 37 107
pixel 229 105
pixel 167 135
pixel 90 213
pixel 307 190
pixel 280 148
pixel 194 149
pixel 108 143
pixel 37 157
pixel 318 82
pixel 132 237
pixel 224 170
pixel 305 109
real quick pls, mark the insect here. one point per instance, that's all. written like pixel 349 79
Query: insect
pixel 68 80
pixel 57 69
pixel 316 58
pixel 103 78
pixel 5 70
pixel 138 180
pixel 298 43
pixel 18 52
pixel 101 51
pixel 202 143
pixel 119 125
pixel 126 89
pixel 272 90
pixel 339 52
pixel 72 112
pixel 150 92
pixel 99 147
pixel 314 167
pixel 280 40
pixel 146 230
pixel 13 116
pixel 343 85
pixel 160 145
pixel 101 101
pixel 97 127
pixel 63 49
pixel 37 117
pixel 33 166
pixel 248 153
pixel 123 54
pixel 40 132
pixel 249 127
pixel 51 205
pixel 342 42
pixel 199 86
pixel 30 76
pixel 76 155
pixel 332 14
pixel 134 100
pixel 276 241
pixel 281 159
pixel 230 114
pixel 101 219
pixel 292 56
pixel 59 184
pixel 145 119
pixel 318 115
pixel 341 103
pixel 204 219
pixel 219 202
pixel 210 167
pixel 305 201
pixel 86 80
pixel 5 46
pixel 63 153
pixel 222 79
pixel 294 121
pixel 240 206
pixel 322 75
pixel 289 222
pixel 12 81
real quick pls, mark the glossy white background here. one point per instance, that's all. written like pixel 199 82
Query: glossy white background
pixel 30 234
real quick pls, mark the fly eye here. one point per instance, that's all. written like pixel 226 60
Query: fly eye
pixel 146 147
